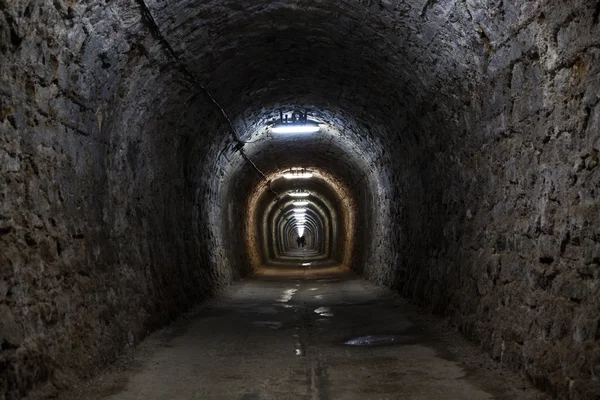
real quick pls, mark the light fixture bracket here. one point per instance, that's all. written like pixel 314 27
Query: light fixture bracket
pixel 298 173
pixel 298 122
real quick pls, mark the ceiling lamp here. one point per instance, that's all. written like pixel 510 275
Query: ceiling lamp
pixel 300 203
pixel 299 194
pixel 298 173
pixel 299 210
pixel 298 123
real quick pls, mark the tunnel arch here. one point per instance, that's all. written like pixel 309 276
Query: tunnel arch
pixel 449 131
pixel 328 225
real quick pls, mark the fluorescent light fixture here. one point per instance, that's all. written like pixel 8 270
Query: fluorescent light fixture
pixel 292 128
pixel 300 203
pixel 299 194
pixel 298 174
pixel 299 210
pixel 297 122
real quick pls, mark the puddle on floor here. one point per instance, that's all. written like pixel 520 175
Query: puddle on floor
pixel 287 295
pixel 324 312
pixel 267 324
pixel 378 340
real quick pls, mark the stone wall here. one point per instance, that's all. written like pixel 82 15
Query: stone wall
pixel 503 235
pixel 468 132
pixel 99 237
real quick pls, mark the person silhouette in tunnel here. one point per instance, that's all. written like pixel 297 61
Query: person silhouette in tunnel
pixel 299 241
pixel 302 240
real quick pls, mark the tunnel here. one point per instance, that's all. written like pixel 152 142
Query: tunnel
pixel 451 178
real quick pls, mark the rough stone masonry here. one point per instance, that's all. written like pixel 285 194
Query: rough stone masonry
pixel 470 130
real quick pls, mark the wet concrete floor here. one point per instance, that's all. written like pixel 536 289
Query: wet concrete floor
pixel 313 332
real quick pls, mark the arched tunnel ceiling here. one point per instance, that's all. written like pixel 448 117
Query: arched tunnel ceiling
pixel 461 137
pixel 348 60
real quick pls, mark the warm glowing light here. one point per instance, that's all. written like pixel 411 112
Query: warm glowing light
pixel 299 210
pixel 297 174
pixel 299 194
pixel 300 203
pixel 295 128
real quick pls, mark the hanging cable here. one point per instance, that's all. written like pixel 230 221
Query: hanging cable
pixel 147 15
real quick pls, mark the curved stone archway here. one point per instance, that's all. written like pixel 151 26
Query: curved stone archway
pixel 457 161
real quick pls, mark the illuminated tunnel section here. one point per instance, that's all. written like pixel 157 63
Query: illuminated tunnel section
pixel 456 162
pixel 328 215
pixel 337 217
pixel 290 225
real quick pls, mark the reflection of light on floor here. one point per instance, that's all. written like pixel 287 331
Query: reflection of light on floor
pixel 305 264
pixel 324 312
pixel 287 295
pixel 373 340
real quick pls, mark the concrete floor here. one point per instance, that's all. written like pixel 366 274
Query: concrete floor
pixel 313 332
